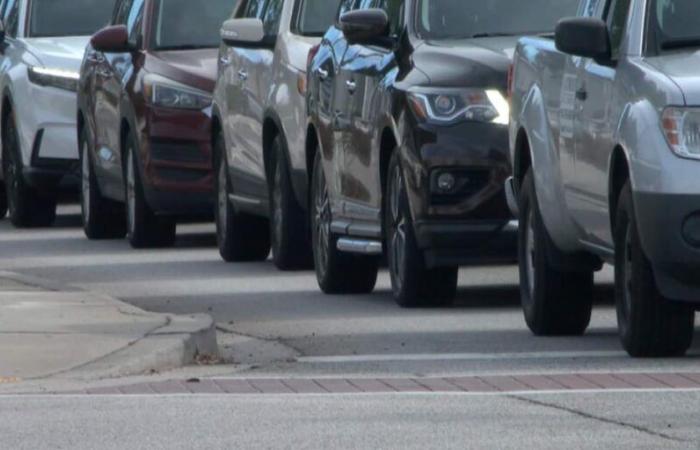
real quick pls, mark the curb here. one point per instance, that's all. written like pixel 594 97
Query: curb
pixel 182 341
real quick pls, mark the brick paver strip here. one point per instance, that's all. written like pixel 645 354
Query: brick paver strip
pixel 481 384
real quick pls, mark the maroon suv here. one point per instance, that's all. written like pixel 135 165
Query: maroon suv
pixel 144 110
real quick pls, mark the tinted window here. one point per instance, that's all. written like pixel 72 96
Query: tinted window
pixel 676 23
pixel 185 24
pixel 253 9
pixel 444 19
pixel 617 23
pixel 68 18
pixel 11 18
pixel 315 16
pixel 134 21
pixel 272 16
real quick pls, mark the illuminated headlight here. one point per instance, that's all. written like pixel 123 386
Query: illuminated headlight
pixel 450 106
pixel 167 93
pixel 57 78
pixel 682 129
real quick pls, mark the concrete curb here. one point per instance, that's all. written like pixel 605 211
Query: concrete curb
pixel 182 341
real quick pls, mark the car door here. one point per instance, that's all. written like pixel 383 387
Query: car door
pixel 243 112
pixel 596 125
pixel 111 74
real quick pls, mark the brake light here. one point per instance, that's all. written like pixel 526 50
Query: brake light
pixel 312 54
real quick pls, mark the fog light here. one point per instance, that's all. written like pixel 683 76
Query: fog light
pixel 446 182
pixel 691 230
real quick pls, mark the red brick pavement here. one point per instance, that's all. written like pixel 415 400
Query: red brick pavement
pixel 473 384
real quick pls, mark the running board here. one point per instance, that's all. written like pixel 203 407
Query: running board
pixel 360 246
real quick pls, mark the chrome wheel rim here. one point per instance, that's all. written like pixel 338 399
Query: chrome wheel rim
pixel 530 253
pixel 85 179
pixel 322 223
pixel 131 192
pixel 398 225
pixel 222 202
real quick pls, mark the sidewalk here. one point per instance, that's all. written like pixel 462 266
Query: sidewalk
pixel 51 331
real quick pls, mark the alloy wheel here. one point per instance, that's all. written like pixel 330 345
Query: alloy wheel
pixel 530 252
pixel 322 223
pixel 85 182
pixel 397 232
pixel 277 215
pixel 626 305
pixel 12 174
pixel 222 201
pixel 131 192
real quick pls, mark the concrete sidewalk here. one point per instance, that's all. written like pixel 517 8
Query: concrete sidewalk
pixel 50 331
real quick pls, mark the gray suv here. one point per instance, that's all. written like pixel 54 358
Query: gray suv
pixel 259 129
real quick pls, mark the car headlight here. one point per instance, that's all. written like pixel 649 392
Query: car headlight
pixel 682 129
pixel 57 78
pixel 450 106
pixel 166 93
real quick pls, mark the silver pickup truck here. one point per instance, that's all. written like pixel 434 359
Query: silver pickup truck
pixel 605 145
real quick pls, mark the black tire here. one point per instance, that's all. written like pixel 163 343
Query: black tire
pixel 336 272
pixel 289 231
pixel 555 303
pixel 649 324
pixel 3 200
pixel 241 237
pixel 413 284
pixel 102 217
pixel 144 228
pixel 27 207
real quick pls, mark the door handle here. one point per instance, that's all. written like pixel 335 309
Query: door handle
pixel 102 73
pixel 242 75
pixel 351 85
pixel 224 60
pixel 582 94
pixel 95 58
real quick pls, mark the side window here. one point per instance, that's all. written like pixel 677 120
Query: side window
pixel 394 9
pixel 347 6
pixel 617 14
pixel 122 12
pixel 252 9
pixel 134 22
pixel 589 8
pixel 11 18
pixel 272 17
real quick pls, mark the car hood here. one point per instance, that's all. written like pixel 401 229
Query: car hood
pixel 684 69
pixel 58 52
pixel 196 68
pixel 481 62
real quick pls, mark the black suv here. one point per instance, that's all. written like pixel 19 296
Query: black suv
pixel 409 142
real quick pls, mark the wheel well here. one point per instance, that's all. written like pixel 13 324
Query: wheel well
pixel 123 133
pixel 6 111
pixel 387 146
pixel 215 130
pixel 619 174
pixel 270 132
pixel 311 149
pixel 523 159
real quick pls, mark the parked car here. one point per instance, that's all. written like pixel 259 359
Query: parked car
pixel 409 141
pixel 144 120
pixel 260 129
pixel 42 46
pixel 606 152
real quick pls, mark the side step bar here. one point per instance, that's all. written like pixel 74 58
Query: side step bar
pixel 360 246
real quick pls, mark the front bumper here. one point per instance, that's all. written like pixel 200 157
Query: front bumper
pixel 466 225
pixel 178 162
pixel 674 257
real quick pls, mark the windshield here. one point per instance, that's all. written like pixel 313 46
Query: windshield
pixel 187 24
pixel 315 16
pixel 677 23
pixel 447 19
pixel 55 18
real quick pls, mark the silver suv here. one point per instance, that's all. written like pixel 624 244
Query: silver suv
pixel 259 129
pixel 43 42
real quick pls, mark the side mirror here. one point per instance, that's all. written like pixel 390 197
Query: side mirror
pixel 243 32
pixel 584 37
pixel 114 39
pixel 364 25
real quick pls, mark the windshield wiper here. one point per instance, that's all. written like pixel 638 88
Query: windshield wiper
pixel 671 44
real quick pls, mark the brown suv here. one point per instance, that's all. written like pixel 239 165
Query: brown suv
pixel 144 119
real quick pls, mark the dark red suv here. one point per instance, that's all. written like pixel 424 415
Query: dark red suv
pixel 144 119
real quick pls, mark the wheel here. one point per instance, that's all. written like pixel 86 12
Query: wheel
pixel 336 272
pixel 649 324
pixel 144 228
pixel 102 218
pixel 27 207
pixel 241 237
pixel 3 200
pixel 291 247
pixel 413 284
pixel 555 303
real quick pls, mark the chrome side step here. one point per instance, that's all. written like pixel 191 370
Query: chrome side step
pixel 360 246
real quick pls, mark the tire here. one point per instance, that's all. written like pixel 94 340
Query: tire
pixel 650 325
pixel 337 272
pixel 3 200
pixel 413 284
pixel 102 218
pixel 289 231
pixel 241 237
pixel 555 303
pixel 27 207
pixel 144 228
